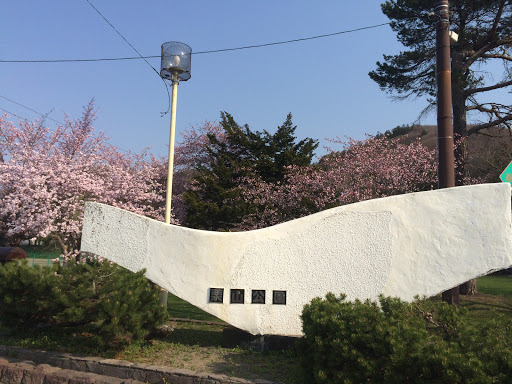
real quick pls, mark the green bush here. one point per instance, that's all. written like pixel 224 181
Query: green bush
pixel 391 341
pixel 118 304
pixel 26 295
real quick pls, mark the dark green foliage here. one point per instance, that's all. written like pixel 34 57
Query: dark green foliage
pixel 119 304
pixel 26 294
pixel 397 342
pixel 484 29
pixel 128 304
pixel 215 202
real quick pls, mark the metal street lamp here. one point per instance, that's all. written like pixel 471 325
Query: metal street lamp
pixel 175 65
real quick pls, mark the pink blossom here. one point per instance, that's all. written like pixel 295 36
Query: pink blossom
pixel 47 175
pixel 360 170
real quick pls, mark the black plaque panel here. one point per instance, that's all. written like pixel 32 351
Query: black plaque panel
pixel 279 297
pixel 216 295
pixel 237 296
pixel 258 296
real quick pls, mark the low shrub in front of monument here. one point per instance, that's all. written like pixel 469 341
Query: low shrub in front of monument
pixel 391 341
pixel 26 295
pixel 118 305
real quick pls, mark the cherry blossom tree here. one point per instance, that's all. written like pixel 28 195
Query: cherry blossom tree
pixel 47 175
pixel 361 170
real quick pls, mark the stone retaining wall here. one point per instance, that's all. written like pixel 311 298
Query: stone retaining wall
pixel 15 371
pixel 19 365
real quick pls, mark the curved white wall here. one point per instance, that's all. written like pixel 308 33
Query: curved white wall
pixel 415 244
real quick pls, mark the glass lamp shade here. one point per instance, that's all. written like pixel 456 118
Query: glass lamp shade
pixel 176 58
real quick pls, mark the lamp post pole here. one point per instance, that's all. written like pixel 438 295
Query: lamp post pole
pixel 175 65
pixel 170 166
pixel 446 164
pixel 163 297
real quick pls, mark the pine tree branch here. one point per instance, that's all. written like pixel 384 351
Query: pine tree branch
pixel 492 33
pixel 486 48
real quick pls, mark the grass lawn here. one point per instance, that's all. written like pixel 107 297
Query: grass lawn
pixel 181 309
pixel 499 285
pixel 40 252
pixel 198 346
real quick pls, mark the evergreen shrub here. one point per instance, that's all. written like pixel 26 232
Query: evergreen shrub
pixel 118 304
pixel 391 341
pixel 26 295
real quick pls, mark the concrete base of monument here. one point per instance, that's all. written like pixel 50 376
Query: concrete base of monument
pixel 259 281
pixel 233 337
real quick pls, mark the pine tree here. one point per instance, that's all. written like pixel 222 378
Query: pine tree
pixel 282 151
pixel 484 31
pixel 215 202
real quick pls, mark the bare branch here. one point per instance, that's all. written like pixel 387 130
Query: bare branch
pixel 479 108
pixel 494 108
pixel 476 128
pixel 496 56
pixel 490 88
pixel 488 135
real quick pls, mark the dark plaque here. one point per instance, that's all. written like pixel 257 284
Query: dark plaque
pixel 237 296
pixel 216 295
pixel 258 296
pixel 279 297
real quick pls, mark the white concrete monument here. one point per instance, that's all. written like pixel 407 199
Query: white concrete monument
pixel 415 244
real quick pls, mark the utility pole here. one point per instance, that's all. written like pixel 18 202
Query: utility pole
pixel 446 162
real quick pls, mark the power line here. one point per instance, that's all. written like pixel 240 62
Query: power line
pixel 119 33
pixel 200 52
pixel 44 116
pixel 12 113
pixel 77 60
pixel 24 118
pixel 294 40
pixel 30 109
pixel 127 42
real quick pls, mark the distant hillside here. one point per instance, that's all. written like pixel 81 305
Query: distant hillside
pixel 490 151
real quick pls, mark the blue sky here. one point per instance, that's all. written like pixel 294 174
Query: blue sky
pixel 324 83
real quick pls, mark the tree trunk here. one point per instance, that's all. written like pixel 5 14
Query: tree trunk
pixel 163 296
pixel 468 288
pixel 459 116
pixel 460 131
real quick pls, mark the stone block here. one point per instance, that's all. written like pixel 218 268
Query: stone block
pixel 12 374
pixel 58 377
pixel 38 374
pixel 73 364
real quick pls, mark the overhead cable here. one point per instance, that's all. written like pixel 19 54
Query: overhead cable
pixel 12 113
pixel 127 42
pixel 200 52
pixel 30 109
